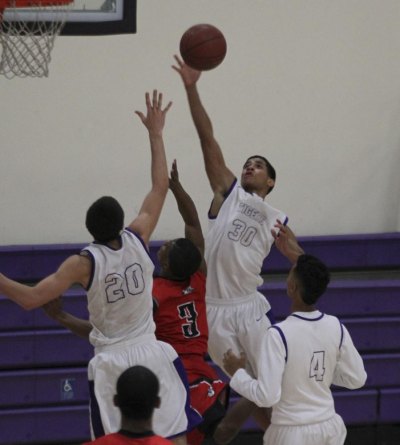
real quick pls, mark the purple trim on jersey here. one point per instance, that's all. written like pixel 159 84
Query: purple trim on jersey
pixel 105 244
pixel 95 417
pixel 225 196
pixel 283 339
pixel 307 319
pixel 271 317
pixel 193 417
pixel 127 229
pixel 341 335
pixel 92 261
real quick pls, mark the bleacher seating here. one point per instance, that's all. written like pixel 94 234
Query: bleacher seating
pixel 44 394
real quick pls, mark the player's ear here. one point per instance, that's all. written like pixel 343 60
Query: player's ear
pixel 116 400
pixel 157 403
pixel 270 182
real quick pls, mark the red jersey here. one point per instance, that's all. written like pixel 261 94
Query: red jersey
pixel 128 438
pixel 181 321
pixel 181 314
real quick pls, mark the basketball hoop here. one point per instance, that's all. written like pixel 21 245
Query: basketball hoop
pixel 27 44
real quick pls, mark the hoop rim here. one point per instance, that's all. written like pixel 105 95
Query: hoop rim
pixel 4 4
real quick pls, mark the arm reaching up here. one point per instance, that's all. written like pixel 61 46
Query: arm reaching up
pixel 188 211
pixel 149 213
pixel 219 175
pixel 286 242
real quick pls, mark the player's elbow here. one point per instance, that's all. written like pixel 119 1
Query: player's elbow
pixel 29 305
pixel 360 382
pixel 265 399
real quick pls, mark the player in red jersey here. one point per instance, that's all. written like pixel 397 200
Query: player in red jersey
pixel 137 396
pixel 180 313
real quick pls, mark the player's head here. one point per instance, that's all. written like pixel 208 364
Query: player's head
pixel 258 173
pixel 179 258
pixel 137 393
pixel 311 278
pixel 105 219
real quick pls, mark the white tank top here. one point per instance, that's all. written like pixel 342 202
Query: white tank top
pixel 237 242
pixel 120 291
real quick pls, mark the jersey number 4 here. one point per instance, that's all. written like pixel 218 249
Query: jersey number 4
pixel 317 367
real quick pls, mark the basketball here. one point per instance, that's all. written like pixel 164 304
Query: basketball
pixel 203 47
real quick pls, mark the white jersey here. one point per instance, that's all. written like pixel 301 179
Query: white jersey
pixel 299 360
pixel 237 242
pixel 120 291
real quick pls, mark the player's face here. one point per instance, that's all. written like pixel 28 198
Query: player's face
pixel 255 175
pixel 163 254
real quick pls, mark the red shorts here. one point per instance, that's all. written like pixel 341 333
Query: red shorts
pixel 210 399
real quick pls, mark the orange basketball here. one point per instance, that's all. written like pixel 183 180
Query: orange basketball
pixel 203 47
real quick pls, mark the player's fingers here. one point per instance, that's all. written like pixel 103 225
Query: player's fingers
pixel 154 104
pixel 159 101
pixel 178 60
pixel 141 115
pixel 167 107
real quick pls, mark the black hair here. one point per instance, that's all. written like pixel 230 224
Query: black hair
pixel 105 219
pixel 313 276
pixel 184 258
pixel 137 393
pixel 270 169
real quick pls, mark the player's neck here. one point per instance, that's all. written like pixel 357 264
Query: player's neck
pixel 261 193
pixel 136 426
pixel 299 306
pixel 115 243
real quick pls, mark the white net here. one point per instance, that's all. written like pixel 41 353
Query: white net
pixel 27 45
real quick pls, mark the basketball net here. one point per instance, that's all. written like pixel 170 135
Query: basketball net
pixel 26 46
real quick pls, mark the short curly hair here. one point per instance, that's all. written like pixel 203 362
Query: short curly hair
pixel 105 219
pixel 313 276
pixel 137 393
pixel 184 258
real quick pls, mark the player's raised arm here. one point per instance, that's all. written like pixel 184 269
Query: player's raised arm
pixel 219 175
pixel 149 213
pixel 286 242
pixel 188 211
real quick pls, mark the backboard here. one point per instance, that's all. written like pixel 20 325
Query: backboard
pixel 88 17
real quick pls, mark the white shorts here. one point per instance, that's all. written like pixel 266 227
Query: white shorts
pixel 106 366
pixel 330 432
pixel 237 325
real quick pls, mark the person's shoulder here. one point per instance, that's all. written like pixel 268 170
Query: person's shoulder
pixel 199 275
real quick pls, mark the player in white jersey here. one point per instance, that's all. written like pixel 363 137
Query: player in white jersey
pixel 300 358
pixel 117 273
pixel 238 241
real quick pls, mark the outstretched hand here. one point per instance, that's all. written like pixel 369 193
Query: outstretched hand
pixel 155 118
pixel 189 75
pixel 286 242
pixel 233 362
pixel 174 175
